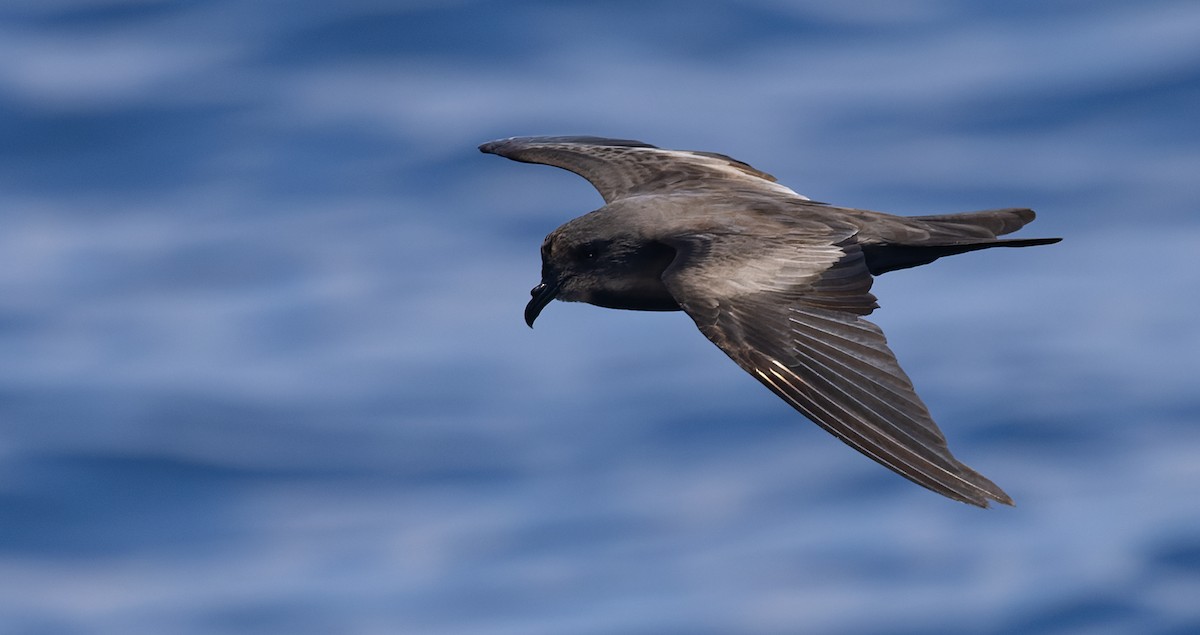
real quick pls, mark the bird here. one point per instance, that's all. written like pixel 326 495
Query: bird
pixel 779 282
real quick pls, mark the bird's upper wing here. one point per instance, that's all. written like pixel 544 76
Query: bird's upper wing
pixel 619 168
pixel 791 314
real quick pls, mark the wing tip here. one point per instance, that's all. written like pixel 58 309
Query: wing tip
pixel 981 492
pixel 496 146
pixel 987 502
pixel 512 144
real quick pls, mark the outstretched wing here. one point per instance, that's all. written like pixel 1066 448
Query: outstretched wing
pixel 620 168
pixel 792 317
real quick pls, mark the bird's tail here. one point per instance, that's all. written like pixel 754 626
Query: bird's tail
pixel 950 234
pixel 986 224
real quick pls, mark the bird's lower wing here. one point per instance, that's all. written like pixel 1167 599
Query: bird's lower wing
pixel 805 338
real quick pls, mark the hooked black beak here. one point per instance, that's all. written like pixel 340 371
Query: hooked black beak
pixel 542 295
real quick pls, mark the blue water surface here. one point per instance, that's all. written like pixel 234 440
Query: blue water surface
pixel 263 367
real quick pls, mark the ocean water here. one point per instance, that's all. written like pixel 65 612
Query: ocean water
pixel 263 367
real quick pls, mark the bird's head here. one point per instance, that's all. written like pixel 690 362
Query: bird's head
pixel 587 261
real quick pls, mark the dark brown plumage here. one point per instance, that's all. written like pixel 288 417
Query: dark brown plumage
pixel 778 282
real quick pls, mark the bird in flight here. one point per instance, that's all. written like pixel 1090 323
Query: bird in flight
pixel 781 283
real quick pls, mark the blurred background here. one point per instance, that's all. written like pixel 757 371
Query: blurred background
pixel 263 367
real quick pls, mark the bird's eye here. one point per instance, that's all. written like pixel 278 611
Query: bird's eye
pixel 587 251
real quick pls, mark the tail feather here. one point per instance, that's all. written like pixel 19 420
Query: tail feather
pixel 947 235
pixel 885 258
pixel 996 222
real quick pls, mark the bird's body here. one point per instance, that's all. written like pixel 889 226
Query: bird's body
pixel 780 283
